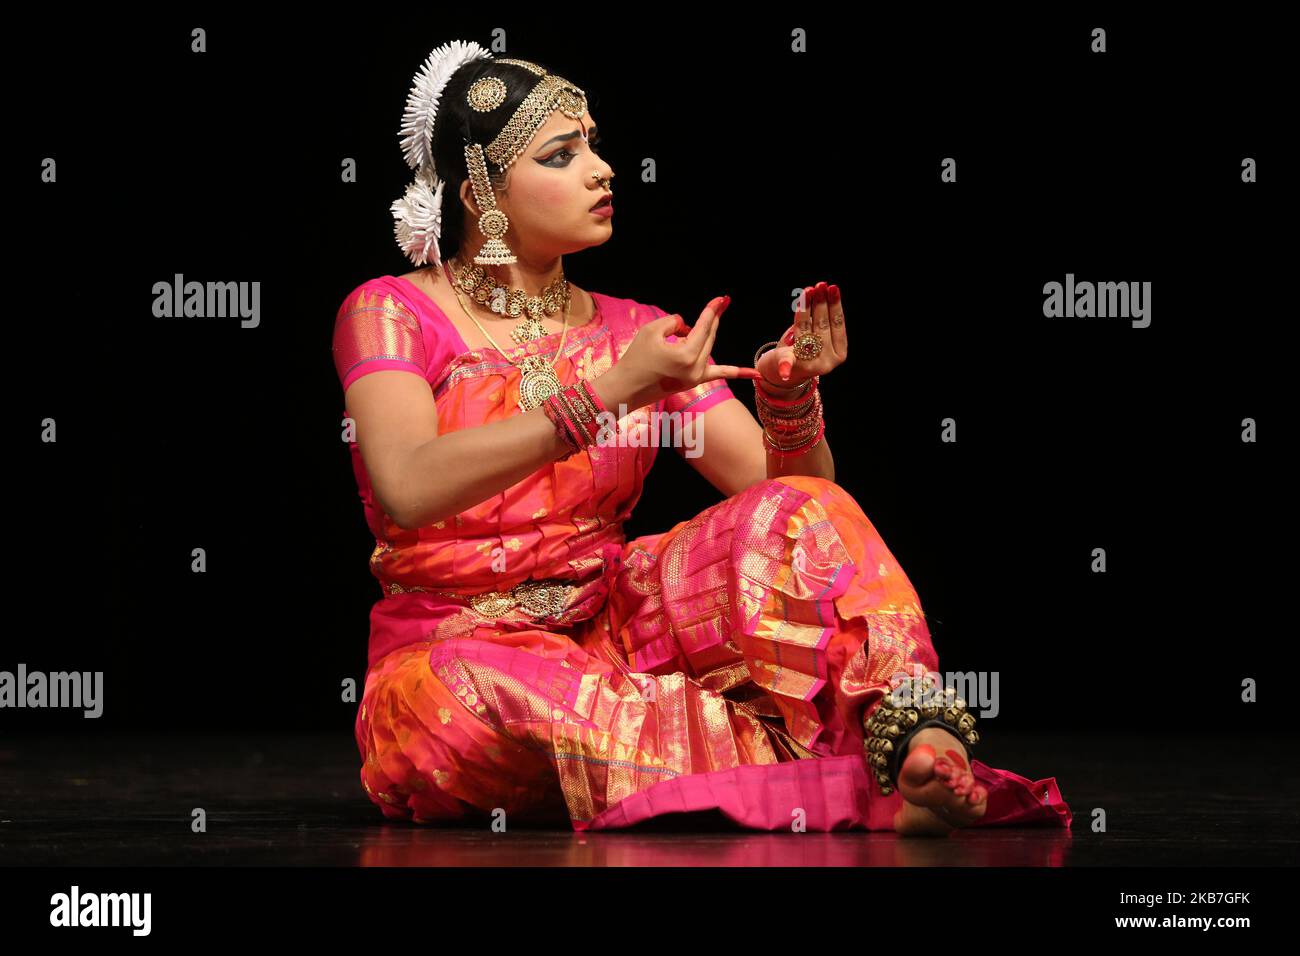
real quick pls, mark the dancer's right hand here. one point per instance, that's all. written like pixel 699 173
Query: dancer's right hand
pixel 653 368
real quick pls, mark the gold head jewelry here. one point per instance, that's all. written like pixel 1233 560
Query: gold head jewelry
pixel 551 92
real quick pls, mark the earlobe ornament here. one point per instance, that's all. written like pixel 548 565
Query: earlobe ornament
pixel 493 223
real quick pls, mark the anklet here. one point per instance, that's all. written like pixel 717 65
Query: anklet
pixel 911 706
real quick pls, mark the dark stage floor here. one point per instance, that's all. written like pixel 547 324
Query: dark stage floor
pixel 297 800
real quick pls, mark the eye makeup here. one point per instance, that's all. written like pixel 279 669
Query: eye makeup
pixel 593 141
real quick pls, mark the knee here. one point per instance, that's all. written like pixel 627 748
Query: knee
pixel 833 499
pixel 829 505
pixel 812 484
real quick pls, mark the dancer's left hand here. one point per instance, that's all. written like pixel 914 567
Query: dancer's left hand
pixel 823 316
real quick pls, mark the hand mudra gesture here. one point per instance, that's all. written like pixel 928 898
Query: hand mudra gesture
pixel 655 368
pixel 823 317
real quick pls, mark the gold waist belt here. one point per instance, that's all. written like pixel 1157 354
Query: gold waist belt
pixel 545 598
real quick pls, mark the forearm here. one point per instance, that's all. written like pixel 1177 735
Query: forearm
pixel 816 462
pixel 454 472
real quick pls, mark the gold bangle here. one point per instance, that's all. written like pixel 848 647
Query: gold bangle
pixel 793 391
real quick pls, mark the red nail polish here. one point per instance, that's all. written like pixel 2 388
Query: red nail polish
pixel 835 295
pixel 784 368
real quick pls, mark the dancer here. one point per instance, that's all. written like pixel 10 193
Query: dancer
pixel 767 657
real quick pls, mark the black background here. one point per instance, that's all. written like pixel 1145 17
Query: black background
pixel 775 170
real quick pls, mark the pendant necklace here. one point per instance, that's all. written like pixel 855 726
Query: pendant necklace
pixel 539 381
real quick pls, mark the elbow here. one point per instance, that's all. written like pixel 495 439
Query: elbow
pixel 406 519
pixel 399 513
pixel 411 518
pixel 412 506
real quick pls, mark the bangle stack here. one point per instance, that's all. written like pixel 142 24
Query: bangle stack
pixel 574 411
pixel 791 426
pixel 792 422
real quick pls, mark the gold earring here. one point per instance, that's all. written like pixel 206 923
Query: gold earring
pixel 493 222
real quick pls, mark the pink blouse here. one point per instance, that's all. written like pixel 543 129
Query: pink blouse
pixel 563 521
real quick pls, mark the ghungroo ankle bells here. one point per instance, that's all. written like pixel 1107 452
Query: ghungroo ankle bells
pixel 914 704
pixel 418 213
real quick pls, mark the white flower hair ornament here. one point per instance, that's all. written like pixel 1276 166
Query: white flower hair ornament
pixel 418 213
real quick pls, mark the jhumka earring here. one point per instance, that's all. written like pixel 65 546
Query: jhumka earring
pixel 484 96
pixel 493 222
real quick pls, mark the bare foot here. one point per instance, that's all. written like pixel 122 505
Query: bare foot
pixel 938 789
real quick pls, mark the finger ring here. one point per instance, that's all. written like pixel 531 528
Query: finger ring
pixel 807 346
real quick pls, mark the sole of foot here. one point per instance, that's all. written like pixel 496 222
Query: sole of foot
pixel 938 789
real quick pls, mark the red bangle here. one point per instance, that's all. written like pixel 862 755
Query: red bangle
pixel 581 416
pixel 597 405
pixel 591 394
pixel 801 449
pixel 555 412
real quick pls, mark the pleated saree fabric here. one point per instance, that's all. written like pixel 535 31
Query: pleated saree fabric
pixel 725 664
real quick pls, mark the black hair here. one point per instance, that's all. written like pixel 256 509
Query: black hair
pixel 458 124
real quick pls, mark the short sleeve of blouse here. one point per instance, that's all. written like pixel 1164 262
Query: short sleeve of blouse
pixel 375 330
pixel 702 397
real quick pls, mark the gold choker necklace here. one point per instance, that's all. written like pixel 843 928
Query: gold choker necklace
pixel 538 380
pixel 485 290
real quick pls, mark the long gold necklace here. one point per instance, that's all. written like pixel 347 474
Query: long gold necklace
pixel 539 381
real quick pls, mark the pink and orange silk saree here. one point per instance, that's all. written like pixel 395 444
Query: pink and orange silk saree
pixel 725 664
